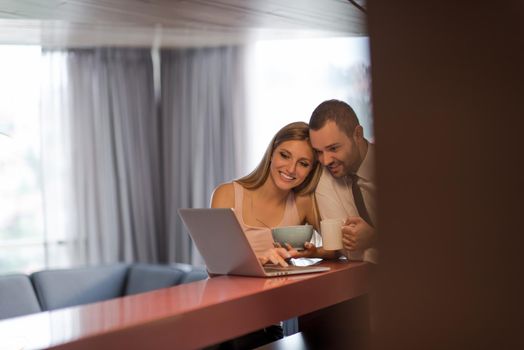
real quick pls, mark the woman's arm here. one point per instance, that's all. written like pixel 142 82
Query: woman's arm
pixel 224 197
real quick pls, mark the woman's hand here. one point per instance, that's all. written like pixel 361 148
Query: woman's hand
pixel 276 256
pixel 309 251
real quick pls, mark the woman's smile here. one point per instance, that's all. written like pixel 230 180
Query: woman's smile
pixel 286 176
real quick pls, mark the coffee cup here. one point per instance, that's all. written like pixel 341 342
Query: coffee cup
pixel 331 231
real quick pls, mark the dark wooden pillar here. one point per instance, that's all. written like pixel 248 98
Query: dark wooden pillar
pixel 448 107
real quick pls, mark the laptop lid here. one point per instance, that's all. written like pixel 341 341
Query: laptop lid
pixel 224 247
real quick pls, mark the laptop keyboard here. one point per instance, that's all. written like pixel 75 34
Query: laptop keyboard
pixel 282 268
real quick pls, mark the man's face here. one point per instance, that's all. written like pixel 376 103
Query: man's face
pixel 336 151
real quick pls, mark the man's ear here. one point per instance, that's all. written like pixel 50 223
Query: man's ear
pixel 358 133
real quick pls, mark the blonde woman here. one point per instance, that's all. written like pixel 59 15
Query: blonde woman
pixel 279 192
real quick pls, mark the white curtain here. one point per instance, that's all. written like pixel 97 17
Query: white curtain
pixel 112 149
pixel 56 160
pixel 117 165
pixel 203 94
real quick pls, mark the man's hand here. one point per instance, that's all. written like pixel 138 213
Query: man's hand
pixel 357 234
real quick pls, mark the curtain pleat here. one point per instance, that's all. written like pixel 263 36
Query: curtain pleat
pixel 202 116
pixel 114 141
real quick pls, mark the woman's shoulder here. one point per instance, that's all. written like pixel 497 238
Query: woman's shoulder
pixel 223 196
pixel 225 188
pixel 304 202
pixel 306 209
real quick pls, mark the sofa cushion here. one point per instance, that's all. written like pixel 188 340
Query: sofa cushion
pixel 147 277
pixel 192 273
pixel 17 296
pixel 76 286
pixel 196 274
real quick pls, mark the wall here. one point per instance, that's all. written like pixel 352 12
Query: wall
pixel 448 119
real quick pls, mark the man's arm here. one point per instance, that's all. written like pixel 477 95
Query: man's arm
pixel 329 206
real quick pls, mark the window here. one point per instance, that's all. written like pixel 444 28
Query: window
pixel 25 245
pixel 21 214
pixel 291 77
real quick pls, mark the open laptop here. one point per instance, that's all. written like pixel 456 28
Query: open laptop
pixel 225 248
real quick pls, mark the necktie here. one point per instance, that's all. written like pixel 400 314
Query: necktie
pixel 359 200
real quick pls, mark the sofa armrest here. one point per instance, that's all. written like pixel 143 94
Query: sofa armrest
pixel 17 296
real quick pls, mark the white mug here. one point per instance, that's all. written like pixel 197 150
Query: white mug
pixel 331 231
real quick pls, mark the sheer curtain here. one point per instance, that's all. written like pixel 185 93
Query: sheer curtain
pixel 111 146
pixel 55 159
pixel 203 127
pixel 115 170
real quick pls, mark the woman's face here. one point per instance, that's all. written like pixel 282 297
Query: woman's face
pixel 291 163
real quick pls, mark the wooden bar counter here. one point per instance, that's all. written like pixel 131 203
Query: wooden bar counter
pixel 193 315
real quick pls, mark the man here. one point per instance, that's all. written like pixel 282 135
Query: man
pixel 347 186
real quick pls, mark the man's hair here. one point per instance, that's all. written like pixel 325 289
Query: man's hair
pixel 336 111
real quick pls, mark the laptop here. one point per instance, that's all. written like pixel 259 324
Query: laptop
pixel 226 251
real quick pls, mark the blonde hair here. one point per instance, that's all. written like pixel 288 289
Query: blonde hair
pixel 297 131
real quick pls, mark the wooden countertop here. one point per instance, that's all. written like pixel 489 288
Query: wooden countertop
pixel 188 316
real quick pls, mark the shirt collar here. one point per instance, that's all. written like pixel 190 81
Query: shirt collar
pixel 366 171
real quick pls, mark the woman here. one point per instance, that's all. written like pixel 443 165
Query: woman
pixel 279 192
